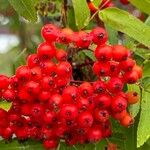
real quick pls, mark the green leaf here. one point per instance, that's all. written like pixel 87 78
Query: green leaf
pixel 143 132
pixel 5 105
pixel 134 109
pixel 89 54
pixel 15 145
pixel 146 70
pixel 126 23
pixel 112 34
pixel 143 5
pixel 82 13
pixel 144 53
pixel 25 8
pixel 148 21
pixel 146 84
pixel 96 2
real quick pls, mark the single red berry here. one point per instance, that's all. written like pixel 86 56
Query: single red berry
pixel 37 110
pixel 48 117
pixel 61 55
pixel 82 39
pixel 132 97
pixel 7 133
pixel 103 101
pixel 14 82
pixel 36 73
pixel 21 133
pixel 48 67
pixel 100 36
pixel 115 85
pixel 85 119
pixel 120 53
pixel 49 144
pixel 46 51
pixel 9 95
pixel 103 53
pixel 70 94
pixel 55 102
pixel 3 113
pixel 32 87
pixel 101 69
pixel 33 60
pixel 131 77
pixel 50 32
pixel 127 120
pixel 94 135
pixel 118 104
pixel 85 89
pixel 64 69
pixel 47 83
pixel 101 115
pixel 114 69
pixel 69 111
pixel 4 82
pixel 99 87
pixel 26 109
pixel 65 36
pixel 44 96
pixel 127 65
pixel 23 73
pixel 119 115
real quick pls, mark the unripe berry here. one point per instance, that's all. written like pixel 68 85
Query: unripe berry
pixel 127 120
pixel 132 97
pixel 139 71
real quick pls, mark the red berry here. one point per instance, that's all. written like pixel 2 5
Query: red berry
pixel 85 119
pixel 101 115
pixel 37 111
pixel 127 120
pixel 23 73
pixel 94 135
pixel 69 111
pixel 46 51
pixel 120 53
pixel 139 71
pixel 124 2
pixel 99 36
pixel 115 85
pixel 32 60
pixel 85 89
pixel 4 82
pixel 48 117
pixel 50 144
pixel 7 133
pixel 9 95
pixel 118 104
pixel 103 53
pixel 44 96
pixel 99 87
pixel 61 55
pixel 103 101
pixel 49 32
pixel 36 73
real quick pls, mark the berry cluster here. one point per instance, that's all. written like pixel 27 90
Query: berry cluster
pixel 46 107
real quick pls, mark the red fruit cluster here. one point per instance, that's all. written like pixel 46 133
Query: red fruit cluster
pixel 46 107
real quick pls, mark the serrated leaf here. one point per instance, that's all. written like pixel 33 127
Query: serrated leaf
pixel 143 132
pixel 89 54
pixel 143 5
pixel 82 13
pixel 15 145
pixel 146 84
pixel 25 8
pixel 126 23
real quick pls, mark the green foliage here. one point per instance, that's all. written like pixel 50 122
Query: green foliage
pixel 126 23
pixel 143 132
pixel 15 145
pixel 25 8
pixel 5 105
pixel 143 5
pixel 82 13
pixel 97 2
